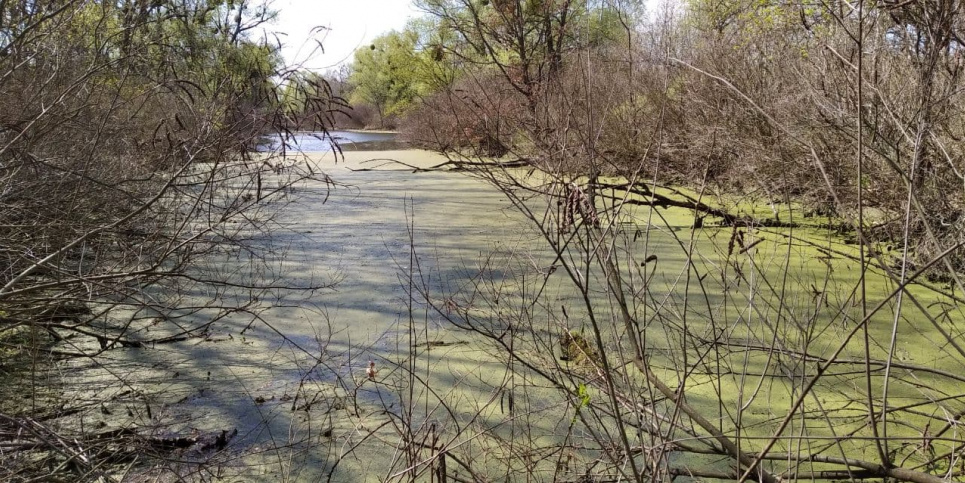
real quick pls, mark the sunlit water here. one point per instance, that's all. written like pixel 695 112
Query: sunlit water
pixel 322 142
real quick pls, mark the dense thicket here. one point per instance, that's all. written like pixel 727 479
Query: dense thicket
pixel 125 136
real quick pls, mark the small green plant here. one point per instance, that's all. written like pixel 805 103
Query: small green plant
pixel 585 399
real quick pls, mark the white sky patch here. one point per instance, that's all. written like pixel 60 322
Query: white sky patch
pixel 341 25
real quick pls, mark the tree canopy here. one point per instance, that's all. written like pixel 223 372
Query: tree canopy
pixel 385 74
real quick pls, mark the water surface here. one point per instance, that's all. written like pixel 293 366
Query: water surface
pixel 289 374
pixel 308 142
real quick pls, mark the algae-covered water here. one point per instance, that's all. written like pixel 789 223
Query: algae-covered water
pixel 741 318
pixel 308 351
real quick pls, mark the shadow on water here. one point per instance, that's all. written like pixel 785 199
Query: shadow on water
pixel 289 372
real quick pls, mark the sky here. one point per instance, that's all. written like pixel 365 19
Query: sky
pixel 344 25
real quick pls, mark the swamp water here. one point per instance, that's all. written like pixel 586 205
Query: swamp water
pixel 291 378
pixel 289 375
